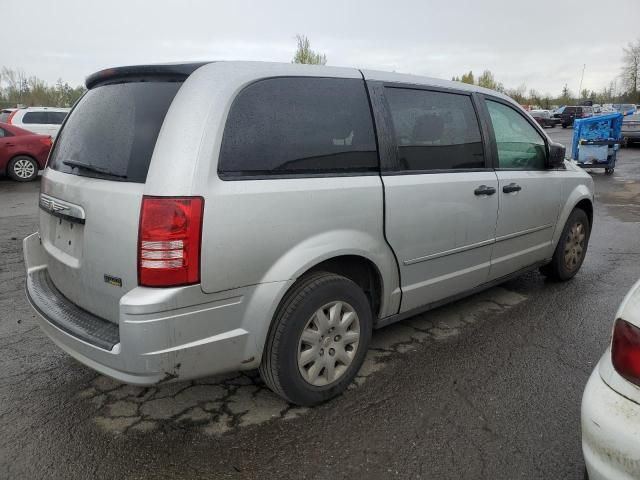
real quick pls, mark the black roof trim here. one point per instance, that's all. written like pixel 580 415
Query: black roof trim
pixel 176 71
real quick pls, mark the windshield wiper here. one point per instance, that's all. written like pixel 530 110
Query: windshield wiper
pixel 92 168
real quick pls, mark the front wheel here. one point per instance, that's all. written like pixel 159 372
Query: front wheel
pixel 23 169
pixel 571 249
pixel 318 339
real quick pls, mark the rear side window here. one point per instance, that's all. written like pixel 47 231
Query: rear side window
pixel 4 115
pixel 569 110
pixel 299 126
pixel 112 131
pixel 35 117
pixel 435 130
pixel 56 118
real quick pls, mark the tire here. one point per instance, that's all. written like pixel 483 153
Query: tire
pixel 564 126
pixel 608 171
pixel 23 169
pixel 565 263
pixel 283 366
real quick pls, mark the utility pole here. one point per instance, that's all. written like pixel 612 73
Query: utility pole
pixel 581 78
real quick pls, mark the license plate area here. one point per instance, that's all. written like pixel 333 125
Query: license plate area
pixel 67 236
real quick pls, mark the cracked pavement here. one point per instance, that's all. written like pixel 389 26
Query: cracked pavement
pixel 487 387
pixel 224 403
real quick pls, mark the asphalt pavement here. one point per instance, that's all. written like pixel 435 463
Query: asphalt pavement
pixel 488 387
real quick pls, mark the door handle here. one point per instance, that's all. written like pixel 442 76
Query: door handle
pixel 512 187
pixel 484 190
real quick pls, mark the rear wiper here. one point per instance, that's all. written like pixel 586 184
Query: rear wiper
pixel 92 168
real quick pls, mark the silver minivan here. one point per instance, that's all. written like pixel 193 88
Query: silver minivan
pixel 203 218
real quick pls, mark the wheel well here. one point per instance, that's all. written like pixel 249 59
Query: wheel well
pixel 586 206
pixel 359 270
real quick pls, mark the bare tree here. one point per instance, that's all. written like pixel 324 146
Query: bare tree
pixel 631 68
pixel 304 54
pixel 518 94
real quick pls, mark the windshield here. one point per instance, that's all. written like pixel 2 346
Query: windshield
pixel 112 131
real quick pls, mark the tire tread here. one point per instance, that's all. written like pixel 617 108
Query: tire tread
pixel 291 302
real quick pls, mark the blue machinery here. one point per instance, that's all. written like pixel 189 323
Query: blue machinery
pixel 596 141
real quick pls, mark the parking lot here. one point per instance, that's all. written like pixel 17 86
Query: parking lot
pixel 487 387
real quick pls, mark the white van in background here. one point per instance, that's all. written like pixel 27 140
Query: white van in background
pixel 43 120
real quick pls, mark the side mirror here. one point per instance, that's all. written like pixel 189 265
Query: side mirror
pixel 557 154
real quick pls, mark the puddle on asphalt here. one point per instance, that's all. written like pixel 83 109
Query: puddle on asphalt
pixel 220 404
pixel 624 203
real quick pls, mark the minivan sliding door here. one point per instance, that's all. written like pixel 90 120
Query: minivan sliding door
pixel 440 196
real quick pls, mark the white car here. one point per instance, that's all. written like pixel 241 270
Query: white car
pixel 43 120
pixel 611 401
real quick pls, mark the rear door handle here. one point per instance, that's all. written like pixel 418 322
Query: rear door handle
pixel 512 187
pixel 484 190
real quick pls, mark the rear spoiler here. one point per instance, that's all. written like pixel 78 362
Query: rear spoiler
pixel 175 72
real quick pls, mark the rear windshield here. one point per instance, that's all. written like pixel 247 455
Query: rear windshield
pixel 112 131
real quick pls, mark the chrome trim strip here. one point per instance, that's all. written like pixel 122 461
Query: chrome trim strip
pixel 476 245
pixel 62 209
pixel 523 232
pixel 450 252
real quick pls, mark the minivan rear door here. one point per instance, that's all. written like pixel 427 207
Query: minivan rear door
pixel 92 191
pixel 440 194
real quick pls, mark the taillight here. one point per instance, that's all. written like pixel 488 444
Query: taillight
pixel 625 350
pixel 11 115
pixel 169 241
pixel 46 141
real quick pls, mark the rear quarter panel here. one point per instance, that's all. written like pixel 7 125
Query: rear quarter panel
pixel 260 231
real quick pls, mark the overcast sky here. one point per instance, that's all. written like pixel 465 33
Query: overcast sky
pixel 541 43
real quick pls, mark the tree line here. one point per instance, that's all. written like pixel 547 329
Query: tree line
pixel 623 89
pixel 18 88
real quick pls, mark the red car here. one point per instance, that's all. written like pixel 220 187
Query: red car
pixel 22 153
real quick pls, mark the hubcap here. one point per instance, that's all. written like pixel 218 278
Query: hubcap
pixel 574 246
pixel 328 343
pixel 24 168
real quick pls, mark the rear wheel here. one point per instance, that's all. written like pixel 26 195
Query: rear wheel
pixel 571 249
pixel 23 169
pixel 318 340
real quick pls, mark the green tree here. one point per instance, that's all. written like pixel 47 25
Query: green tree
pixel 16 88
pixel 565 97
pixel 584 94
pixel 487 80
pixel 468 78
pixel 304 54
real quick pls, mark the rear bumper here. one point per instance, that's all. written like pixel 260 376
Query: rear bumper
pixel 610 432
pixel 162 334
